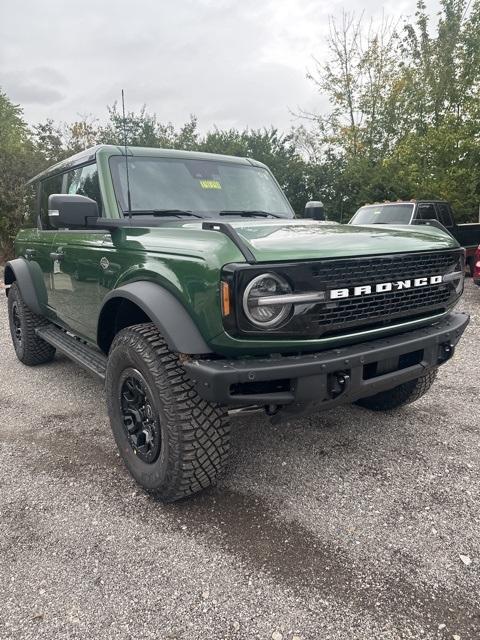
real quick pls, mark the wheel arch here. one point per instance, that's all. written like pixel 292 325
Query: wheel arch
pixel 145 301
pixel 29 278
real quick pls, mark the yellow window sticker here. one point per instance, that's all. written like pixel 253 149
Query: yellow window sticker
pixel 210 184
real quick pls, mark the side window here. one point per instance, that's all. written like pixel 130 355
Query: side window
pixel 30 203
pixel 426 212
pixel 444 214
pixel 47 187
pixel 84 182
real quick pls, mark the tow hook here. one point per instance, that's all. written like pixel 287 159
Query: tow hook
pixel 272 409
pixel 337 383
pixel 446 351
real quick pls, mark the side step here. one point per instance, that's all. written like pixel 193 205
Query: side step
pixel 75 349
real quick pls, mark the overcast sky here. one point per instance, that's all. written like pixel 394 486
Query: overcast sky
pixel 231 62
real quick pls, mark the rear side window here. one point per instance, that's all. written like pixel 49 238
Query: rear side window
pixel 426 212
pixel 444 214
pixel 31 204
pixel 84 182
pixel 47 187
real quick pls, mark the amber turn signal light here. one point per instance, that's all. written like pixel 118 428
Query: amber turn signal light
pixel 225 295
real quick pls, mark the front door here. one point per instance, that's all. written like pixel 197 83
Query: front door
pixel 77 291
pixel 75 258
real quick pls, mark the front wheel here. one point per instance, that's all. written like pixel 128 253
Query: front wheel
pixel 173 442
pixel 399 396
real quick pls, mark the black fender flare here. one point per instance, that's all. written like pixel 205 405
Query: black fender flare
pixel 29 277
pixel 165 311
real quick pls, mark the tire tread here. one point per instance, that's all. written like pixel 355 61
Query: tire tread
pixel 199 431
pixel 35 350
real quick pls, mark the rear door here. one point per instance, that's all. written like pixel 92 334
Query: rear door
pixel 38 247
pixel 77 291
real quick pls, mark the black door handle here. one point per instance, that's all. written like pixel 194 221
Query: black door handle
pixel 30 253
pixel 57 255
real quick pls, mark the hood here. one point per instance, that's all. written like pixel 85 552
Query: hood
pixel 285 240
pixel 275 240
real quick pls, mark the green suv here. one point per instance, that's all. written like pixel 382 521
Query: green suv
pixel 185 282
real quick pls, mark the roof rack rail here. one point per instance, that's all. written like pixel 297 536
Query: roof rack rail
pixel 229 231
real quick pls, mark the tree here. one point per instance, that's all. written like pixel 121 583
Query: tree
pixel 81 134
pixel 358 79
pixel 145 130
pixel 48 140
pixel 405 116
pixel 18 162
pixel 439 150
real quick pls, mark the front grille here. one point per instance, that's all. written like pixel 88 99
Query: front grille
pixel 340 316
pixel 381 308
pixel 331 274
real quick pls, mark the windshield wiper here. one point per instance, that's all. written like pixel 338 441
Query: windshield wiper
pixel 164 212
pixel 245 213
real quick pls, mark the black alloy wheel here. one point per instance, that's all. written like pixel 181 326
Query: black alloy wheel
pixel 17 323
pixel 140 420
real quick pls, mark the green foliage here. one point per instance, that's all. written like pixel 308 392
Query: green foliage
pixel 145 130
pixel 405 117
pixel 18 160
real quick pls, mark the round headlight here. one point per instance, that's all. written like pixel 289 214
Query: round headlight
pixel 258 309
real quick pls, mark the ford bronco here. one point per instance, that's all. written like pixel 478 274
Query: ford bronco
pixel 185 282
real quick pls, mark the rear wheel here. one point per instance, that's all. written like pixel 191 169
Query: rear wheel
pixel 172 441
pixel 399 396
pixel 30 349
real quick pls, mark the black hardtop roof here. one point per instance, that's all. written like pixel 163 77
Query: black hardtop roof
pixel 83 157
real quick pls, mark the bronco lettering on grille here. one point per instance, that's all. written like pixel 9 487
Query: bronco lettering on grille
pixel 384 287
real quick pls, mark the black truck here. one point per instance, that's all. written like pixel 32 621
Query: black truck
pixel 418 211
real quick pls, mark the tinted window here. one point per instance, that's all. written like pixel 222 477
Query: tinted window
pixel 444 214
pixel 202 186
pixel 426 212
pixel 84 182
pixel 47 187
pixel 383 214
pixel 31 204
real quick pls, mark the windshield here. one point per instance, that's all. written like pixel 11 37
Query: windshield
pixel 384 214
pixel 204 187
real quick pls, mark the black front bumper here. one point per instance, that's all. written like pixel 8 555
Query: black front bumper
pixel 320 380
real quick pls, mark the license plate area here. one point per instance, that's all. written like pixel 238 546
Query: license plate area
pixel 381 367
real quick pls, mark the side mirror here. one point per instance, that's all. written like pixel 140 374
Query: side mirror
pixel 68 211
pixel 315 209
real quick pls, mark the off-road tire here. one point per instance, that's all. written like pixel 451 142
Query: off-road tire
pixel 30 349
pixel 399 396
pixel 194 433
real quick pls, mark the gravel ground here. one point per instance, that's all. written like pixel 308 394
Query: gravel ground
pixel 346 525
